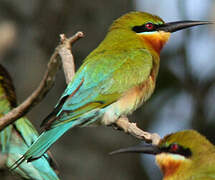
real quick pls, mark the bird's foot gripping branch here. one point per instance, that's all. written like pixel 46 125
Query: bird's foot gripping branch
pixel 123 123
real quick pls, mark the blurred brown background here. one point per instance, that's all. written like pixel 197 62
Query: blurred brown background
pixel 184 97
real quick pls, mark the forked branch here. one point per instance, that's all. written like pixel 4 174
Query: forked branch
pixel 44 86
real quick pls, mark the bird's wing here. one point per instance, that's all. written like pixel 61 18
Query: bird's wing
pixel 101 80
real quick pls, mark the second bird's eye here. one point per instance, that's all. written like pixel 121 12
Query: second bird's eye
pixel 174 147
pixel 149 26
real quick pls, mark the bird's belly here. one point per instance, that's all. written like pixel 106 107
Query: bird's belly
pixel 129 102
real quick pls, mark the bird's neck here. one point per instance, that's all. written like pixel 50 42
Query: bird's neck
pixel 121 41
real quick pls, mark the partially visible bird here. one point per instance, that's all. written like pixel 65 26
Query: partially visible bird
pixel 16 138
pixel 184 155
pixel 114 80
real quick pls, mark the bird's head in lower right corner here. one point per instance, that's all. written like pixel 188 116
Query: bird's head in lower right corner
pixel 179 153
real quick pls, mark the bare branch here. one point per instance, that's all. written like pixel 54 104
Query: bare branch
pixel 44 86
pixel 66 55
pixel 132 129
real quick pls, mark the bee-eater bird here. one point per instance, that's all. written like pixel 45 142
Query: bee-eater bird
pixel 184 155
pixel 16 138
pixel 114 80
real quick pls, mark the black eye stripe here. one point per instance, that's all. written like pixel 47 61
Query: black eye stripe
pixel 143 28
pixel 180 150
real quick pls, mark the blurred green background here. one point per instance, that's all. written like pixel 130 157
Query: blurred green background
pixel 184 97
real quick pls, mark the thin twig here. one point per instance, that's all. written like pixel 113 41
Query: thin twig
pixel 44 86
pixel 132 129
pixel 66 55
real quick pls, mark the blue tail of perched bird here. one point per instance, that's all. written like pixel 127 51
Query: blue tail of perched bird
pixel 16 138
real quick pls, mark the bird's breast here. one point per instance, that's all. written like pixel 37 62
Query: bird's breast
pixel 132 99
pixel 129 102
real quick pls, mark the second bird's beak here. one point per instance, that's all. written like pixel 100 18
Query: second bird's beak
pixel 141 148
pixel 179 25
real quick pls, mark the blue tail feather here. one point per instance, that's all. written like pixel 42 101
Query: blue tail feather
pixel 46 139
pixel 43 142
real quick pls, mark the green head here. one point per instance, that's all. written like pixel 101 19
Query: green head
pixel 135 19
pixel 148 28
pixel 188 143
pixel 179 152
pixel 185 152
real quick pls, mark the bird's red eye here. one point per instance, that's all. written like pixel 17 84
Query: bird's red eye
pixel 174 147
pixel 149 26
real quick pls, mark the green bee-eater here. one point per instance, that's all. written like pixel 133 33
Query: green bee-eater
pixel 185 155
pixel 114 80
pixel 16 138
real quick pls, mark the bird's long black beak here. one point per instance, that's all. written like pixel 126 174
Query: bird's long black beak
pixel 141 148
pixel 179 25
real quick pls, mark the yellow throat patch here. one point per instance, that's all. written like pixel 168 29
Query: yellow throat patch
pixel 169 163
pixel 155 40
